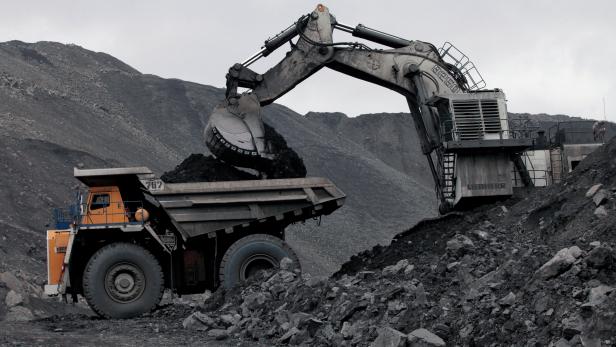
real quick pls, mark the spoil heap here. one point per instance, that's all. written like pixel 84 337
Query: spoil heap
pixel 539 269
pixel 200 168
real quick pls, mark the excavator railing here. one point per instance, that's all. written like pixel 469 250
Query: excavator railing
pixel 454 132
pixel 540 178
pixel 455 57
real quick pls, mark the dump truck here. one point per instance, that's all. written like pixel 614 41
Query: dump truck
pixel 129 235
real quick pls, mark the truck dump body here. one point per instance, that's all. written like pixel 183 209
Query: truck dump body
pixel 199 209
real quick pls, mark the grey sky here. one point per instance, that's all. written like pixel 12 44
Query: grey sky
pixel 548 56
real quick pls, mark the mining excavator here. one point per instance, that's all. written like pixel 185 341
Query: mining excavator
pixel 462 128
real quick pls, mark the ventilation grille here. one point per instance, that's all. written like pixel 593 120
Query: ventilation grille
pixel 475 118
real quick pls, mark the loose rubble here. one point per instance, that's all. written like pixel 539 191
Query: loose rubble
pixel 538 269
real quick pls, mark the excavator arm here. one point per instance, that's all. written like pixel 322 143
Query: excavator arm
pixel 414 69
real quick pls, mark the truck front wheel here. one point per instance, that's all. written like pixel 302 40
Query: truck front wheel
pixel 250 254
pixel 123 280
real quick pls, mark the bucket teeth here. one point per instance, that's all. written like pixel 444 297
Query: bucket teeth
pixel 231 154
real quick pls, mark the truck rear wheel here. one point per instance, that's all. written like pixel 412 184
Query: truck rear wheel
pixel 123 280
pixel 250 254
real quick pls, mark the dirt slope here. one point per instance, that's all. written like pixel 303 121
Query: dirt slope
pixel 538 269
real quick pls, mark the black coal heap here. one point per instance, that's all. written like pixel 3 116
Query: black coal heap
pixel 200 168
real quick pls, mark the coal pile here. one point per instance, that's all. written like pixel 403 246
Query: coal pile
pixel 201 168
pixel 286 163
pixel 538 269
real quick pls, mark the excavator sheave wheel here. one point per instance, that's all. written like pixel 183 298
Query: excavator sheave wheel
pixel 123 280
pixel 250 254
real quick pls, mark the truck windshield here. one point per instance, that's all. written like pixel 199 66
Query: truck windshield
pixel 99 201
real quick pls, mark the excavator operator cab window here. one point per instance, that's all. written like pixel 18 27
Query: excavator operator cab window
pixel 99 201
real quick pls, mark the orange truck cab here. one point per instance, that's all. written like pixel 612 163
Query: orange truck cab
pixel 104 205
pixel 99 207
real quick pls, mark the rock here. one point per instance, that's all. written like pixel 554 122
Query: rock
pixel 508 300
pixel 423 337
pixel 465 332
pixel 597 295
pixel 600 212
pixel 593 190
pixel 599 257
pixel 19 314
pixel 394 269
pixel 409 269
pixel 299 338
pixel 480 234
pixel 13 298
pixel 11 281
pixel 562 342
pixel 572 326
pixel 560 263
pixel 286 264
pixel 600 197
pixel 460 245
pixel 311 325
pixel 230 319
pixel 316 281
pixel 389 337
pixel 288 335
pixel 590 341
pixel 298 320
pixel 595 244
pixel 218 334
pixel 451 266
pixel 421 298
pixel 255 300
pixel 198 321
pixel 346 330
pixel 541 304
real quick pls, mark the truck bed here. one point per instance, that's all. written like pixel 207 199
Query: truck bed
pixel 205 208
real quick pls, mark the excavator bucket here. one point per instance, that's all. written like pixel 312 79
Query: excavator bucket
pixel 235 133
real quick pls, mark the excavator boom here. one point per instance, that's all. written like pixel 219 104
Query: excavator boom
pixel 415 69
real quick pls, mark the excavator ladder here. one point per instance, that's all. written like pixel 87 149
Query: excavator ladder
pixel 448 168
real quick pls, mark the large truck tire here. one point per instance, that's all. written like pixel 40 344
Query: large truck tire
pixel 250 254
pixel 123 280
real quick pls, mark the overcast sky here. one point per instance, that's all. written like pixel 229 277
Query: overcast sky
pixel 556 57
